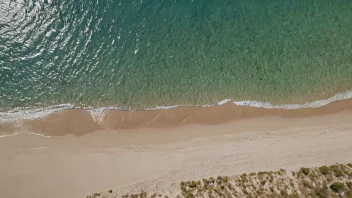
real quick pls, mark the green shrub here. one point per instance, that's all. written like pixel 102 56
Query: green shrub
pixel 322 193
pixel 350 165
pixel 262 173
pixel 211 179
pixel 252 174
pixel 348 194
pixel 293 195
pixel 305 171
pixel 338 173
pixel 134 196
pixel 337 187
pixel 183 189
pixel 283 193
pixel 193 184
pixel 324 170
pixel 110 191
pixel 307 184
pixel 349 184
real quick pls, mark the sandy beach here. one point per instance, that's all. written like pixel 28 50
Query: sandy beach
pixel 107 99
pixel 80 161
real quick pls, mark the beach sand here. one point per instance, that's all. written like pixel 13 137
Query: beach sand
pixel 83 157
pixel 80 121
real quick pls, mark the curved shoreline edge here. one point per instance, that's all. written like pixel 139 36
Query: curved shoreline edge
pixel 41 112
pixel 68 119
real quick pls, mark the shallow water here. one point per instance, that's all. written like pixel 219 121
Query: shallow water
pixel 143 54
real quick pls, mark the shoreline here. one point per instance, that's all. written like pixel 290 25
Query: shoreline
pixel 66 119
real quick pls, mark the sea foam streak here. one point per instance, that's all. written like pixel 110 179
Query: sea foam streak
pixel 314 104
pixel 98 112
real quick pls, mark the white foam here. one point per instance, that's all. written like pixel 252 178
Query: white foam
pixel 164 107
pixel 314 104
pixel 32 113
pixel 98 113
pixel 19 133
pixel 224 101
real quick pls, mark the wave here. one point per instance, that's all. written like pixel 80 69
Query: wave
pixel 20 114
pixel 314 104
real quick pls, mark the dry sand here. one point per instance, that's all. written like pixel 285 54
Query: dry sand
pixel 156 158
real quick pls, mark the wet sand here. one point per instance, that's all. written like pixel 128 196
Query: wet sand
pixel 79 121
pixel 148 158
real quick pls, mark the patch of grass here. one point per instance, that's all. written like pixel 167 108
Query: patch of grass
pixel 337 187
pixel 143 195
pixel 329 178
pixel 261 173
pixel 348 194
pixel 271 179
pixel 322 182
pixel 324 170
pixel 307 184
pixel 293 195
pixel 322 192
pixel 305 171
pixel 349 184
pixel 263 182
pixel 337 171
pixel 283 193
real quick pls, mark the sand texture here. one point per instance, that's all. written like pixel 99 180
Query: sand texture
pixel 156 159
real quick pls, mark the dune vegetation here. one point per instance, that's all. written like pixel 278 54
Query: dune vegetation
pixel 320 182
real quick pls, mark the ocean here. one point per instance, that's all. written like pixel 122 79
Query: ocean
pixel 142 54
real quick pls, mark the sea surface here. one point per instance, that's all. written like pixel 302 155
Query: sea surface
pixel 140 54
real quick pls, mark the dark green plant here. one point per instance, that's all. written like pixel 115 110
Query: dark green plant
pixel 305 170
pixel 337 187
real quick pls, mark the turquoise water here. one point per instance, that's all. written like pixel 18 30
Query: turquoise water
pixel 139 54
